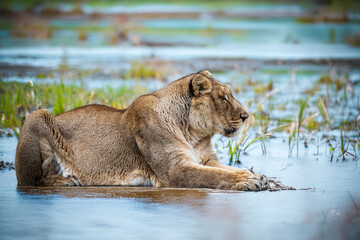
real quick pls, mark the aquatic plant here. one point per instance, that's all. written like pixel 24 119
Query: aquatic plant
pixel 333 89
pixel 302 105
pixel 296 126
pixel 332 35
pixel 291 136
pixel 323 110
pixel 31 27
pixel 142 70
pixel 346 147
pixel 261 137
pixel 82 35
pixel 236 146
pixel 354 40
pixel 234 151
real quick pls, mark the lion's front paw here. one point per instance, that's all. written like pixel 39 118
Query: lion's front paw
pixel 249 181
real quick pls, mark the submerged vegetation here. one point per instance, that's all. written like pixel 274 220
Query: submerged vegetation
pixel 327 117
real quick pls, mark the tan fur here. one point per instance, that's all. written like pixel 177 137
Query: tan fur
pixel 163 139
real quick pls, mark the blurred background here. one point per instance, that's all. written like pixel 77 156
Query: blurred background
pixel 106 42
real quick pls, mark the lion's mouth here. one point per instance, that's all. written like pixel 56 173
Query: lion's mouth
pixel 230 130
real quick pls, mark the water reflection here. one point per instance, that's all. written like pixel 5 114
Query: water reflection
pixel 154 195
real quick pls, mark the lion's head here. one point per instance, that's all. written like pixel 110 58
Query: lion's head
pixel 213 107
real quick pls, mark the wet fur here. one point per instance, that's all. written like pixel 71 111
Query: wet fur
pixel 163 139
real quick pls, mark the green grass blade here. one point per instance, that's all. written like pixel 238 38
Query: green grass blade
pixel 323 110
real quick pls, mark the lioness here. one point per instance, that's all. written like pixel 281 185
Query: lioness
pixel 163 139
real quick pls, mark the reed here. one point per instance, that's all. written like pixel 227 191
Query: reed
pixel 18 99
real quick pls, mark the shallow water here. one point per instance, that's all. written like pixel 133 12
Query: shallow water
pixel 52 56
pixel 325 210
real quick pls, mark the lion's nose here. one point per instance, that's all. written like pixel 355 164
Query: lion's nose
pixel 244 116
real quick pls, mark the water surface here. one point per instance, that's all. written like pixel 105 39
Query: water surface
pixel 326 210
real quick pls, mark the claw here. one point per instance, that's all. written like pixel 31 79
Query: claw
pixel 258 187
pixel 265 179
pixel 248 186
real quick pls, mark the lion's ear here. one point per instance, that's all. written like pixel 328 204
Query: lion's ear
pixel 200 85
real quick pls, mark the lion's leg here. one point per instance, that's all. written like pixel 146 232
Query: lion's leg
pixel 53 173
pixel 43 157
pixel 208 158
pixel 188 174
pixel 176 163
pixel 211 160
pixel 216 163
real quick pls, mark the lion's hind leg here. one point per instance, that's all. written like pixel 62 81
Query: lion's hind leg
pixel 43 156
pixel 53 173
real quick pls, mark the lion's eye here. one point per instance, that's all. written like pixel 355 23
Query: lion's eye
pixel 223 98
